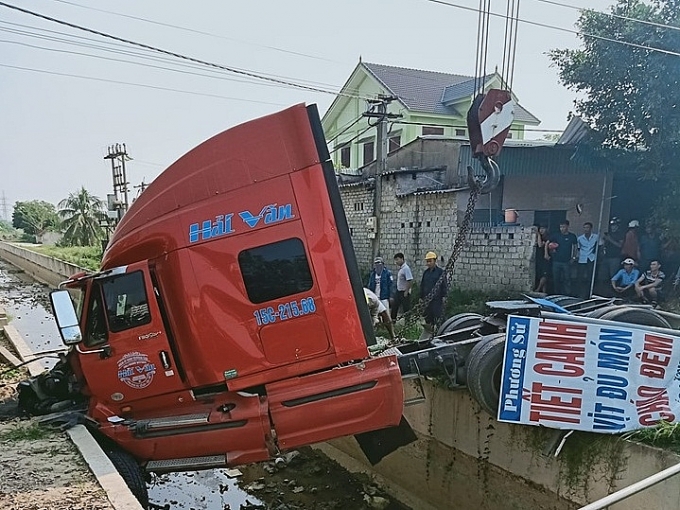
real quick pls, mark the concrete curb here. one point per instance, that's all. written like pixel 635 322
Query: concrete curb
pixel 109 479
pixel 116 489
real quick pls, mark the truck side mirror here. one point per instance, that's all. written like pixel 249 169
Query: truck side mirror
pixel 65 314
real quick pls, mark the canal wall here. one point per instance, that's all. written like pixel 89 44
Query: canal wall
pixel 47 270
pixel 464 458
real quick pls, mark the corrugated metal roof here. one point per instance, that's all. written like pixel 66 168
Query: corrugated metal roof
pixel 551 160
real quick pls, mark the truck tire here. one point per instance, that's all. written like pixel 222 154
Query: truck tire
pixel 566 300
pixel 597 314
pixel 131 473
pixel 641 316
pixel 484 369
pixel 459 321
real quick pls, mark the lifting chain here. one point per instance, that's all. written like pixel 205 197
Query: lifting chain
pixel 413 315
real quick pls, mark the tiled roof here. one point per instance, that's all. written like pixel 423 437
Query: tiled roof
pixel 432 92
pixel 419 90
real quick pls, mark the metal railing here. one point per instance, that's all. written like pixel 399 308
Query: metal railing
pixel 633 489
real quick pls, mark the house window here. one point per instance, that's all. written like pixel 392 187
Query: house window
pixel 431 130
pixel 346 156
pixel 275 270
pixel 369 148
pixel 509 134
pixel 394 143
pixel 460 132
pixel 358 206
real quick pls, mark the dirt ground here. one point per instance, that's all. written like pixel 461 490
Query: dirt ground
pixel 41 469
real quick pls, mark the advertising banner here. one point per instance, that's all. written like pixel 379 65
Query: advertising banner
pixel 600 377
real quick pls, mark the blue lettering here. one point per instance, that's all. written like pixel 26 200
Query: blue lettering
pixel 608 417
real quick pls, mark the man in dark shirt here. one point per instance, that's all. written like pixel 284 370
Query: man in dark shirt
pixel 430 278
pixel 613 240
pixel 561 249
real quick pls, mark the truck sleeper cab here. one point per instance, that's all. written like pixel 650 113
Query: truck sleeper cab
pixel 224 324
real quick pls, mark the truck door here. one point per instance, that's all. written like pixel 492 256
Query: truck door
pixel 126 354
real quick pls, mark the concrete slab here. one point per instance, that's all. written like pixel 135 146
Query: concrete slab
pixel 23 350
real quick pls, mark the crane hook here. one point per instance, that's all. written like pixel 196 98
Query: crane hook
pixel 491 178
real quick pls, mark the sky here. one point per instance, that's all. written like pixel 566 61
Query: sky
pixel 62 104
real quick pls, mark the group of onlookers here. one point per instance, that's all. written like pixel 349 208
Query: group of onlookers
pixel 385 299
pixel 626 263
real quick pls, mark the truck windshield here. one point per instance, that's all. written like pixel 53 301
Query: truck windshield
pixel 126 301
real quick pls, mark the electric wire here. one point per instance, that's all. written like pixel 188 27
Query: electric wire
pixel 350 140
pixel 118 82
pixel 143 64
pixel 200 32
pixel 344 129
pixel 230 69
pixel 562 29
pixel 125 49
pixel 611 14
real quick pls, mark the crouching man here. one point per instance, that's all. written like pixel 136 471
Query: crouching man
pixel 378 311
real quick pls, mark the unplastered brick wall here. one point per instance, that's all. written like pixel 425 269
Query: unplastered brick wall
pixel 494 258
pixel 357 200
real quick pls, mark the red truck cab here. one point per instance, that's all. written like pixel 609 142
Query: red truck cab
pixel 228 320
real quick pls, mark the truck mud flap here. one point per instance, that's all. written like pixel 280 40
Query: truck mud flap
pixel 377 444
pixel 343 401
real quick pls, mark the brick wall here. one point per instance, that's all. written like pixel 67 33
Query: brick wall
pixel 494 258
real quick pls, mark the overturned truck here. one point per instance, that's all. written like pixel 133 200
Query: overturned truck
pixel 228 322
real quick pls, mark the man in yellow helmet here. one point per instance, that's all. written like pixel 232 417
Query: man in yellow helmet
pixel 428 283
pixel 378 309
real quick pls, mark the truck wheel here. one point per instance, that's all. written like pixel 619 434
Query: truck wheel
pixel 484 369
pixel 597 314
pixel 459 321
pixel 641 316
pixel 566 300
pixel 131 472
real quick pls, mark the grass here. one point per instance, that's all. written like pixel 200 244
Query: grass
pixel 30 432
pixel 88 257
pixel 474 301
pixel 664 435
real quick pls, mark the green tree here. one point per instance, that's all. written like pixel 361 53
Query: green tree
pixel 81 213
pixel 34 217
pixel 630 95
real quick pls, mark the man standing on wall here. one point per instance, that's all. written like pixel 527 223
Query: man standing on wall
pixel 380 282
pixel 404 284
pixel 431 276
pixel 587 244
pixel 561 249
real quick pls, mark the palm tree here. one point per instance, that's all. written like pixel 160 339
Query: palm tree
pixel 81 213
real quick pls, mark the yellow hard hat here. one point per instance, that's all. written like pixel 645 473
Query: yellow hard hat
pixel 430 255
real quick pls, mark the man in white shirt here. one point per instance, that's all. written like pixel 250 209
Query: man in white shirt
pixel 404 284
pixel 377 309
pixel 587 246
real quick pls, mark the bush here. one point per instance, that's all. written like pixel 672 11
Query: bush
pixel 88 257
pixel 462 300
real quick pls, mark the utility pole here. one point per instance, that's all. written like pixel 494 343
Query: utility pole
pixel 3 206
pixel 382 117
pixel 118 155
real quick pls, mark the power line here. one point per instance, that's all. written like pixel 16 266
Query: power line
pixel 561 29
pixel 234 70
pixel 200 32
pixel 44 71
pixel 610 14
pixel 126 50
pixel 350 140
